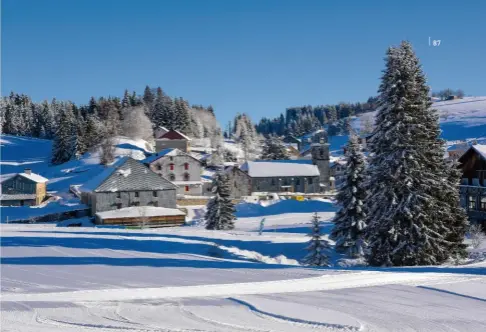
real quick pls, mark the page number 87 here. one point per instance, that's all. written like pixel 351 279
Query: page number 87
pixel 435 42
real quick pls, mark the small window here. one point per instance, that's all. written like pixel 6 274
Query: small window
pixel 159 167
pixel 172 177
pixel 118 194
pixel 119 205
pixel 154 193
pixel 187 189
pixel 171 158
pixel 273 182
pixel 483 203
pixel 471 202
pixel 137 194
pixel 310 180
pixel 186 177
pixel 171 166
pixel 297 182
pixel 186 166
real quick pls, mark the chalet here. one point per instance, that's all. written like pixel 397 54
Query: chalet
pixel 180 168
pixel 127 183
pixel 172 139
pixel 473 183
pixel 282 176
pixel 21 189
pixel 338 173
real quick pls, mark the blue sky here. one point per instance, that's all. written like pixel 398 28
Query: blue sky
pixel 254 56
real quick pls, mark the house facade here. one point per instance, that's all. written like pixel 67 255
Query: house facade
pixel 178 167
pixel 282 176
pixel 127 183
pixel 172 139
pixel 338 173
pixel 23 189
pixel 473 184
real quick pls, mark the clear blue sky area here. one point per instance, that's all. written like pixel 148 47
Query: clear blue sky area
pixel 254 56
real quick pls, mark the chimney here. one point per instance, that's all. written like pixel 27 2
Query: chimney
pixel 28 171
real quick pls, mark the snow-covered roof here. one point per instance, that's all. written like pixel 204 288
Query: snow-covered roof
pixel 185 183
pixel 95 182
pixel 174 134
pixel 481 149
pixel 288 161
pixel 34 177
pixel 262 169
pixel 160 154
pixel 140 211
pixel 14 197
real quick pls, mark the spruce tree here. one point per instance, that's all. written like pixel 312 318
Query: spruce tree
pixel 409 220
pixel 65 141
pixel 349 221
pixel 317 247
pixel 274 149
pixel 220 208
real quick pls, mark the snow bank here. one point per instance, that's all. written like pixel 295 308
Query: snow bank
pixel 81 222
pixel 283 206
pixel 256 256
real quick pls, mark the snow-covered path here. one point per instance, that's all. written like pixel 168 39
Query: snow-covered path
pixel 325 282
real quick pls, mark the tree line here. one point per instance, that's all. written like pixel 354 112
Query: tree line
pixel 76 129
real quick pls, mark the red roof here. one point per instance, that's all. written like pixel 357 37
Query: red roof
pixel 174 134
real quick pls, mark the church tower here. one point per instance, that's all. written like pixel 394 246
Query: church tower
pixel 320 158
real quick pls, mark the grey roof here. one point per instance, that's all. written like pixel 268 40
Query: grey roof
pixel 132 175
pixel 15 197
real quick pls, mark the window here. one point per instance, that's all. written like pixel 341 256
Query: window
pixel 119 205
pixel 186 166
pixel 154 193
pixel 186 177
pixel 171 177
pixel 171 158
pixel 483 203
pixel 171 167
pixel 297 182
pixel 310 180
pixel 471 202
pixel 137 194
pixel 273 182
pixel 118 194
pixel 187 189
pixel 159 167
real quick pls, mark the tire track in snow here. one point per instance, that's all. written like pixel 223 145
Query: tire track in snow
pixel 294 321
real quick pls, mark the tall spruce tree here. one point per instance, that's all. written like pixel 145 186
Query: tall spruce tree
pixel 274 149
pixel 65 141
pixel 349 222
pixel 409 221
pixel 220 208
pixel 317 247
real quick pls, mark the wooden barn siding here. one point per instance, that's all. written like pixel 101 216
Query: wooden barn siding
pixel 172 220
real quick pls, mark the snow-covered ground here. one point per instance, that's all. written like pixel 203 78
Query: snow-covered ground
pixel 191 279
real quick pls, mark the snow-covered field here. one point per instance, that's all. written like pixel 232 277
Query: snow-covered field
pixel 191 279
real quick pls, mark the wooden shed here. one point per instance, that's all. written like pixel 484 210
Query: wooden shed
pixel 146 216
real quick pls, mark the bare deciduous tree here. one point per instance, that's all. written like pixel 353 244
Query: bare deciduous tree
pixel 476 235
pixel 136 124
pixel 107 151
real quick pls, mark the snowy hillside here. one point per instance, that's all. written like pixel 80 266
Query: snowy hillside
pixel 19 153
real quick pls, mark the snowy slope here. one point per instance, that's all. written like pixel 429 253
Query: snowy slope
pixel 190 279
pixel 19 153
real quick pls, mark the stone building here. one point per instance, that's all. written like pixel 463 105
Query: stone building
pixel 320 158
pixel 171 139
pixel 282 176
pixel 127 183
pixel 25 188
pixel 240 182
pixel 178 167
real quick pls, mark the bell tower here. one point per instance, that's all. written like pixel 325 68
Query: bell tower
pixel 320 158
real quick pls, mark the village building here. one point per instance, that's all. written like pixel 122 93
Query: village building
pixel 180 168
pixel 338 173
pixel 127 183
pixel 282 176
pixel 293 141
pixel 171 139
pixel 455 151
pixel 21 189
pixel 473 183
pixel 144 216
pixel 240 182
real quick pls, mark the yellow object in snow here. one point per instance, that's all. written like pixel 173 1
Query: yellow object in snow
pixel 299 198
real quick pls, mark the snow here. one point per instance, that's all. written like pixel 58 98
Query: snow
pixel 275 169
pixel 34 177
pixel 139 211
pixel 191 279
pixel 481 149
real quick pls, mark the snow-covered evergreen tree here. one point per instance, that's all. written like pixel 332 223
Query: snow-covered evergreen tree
pixel 349 221
pixel 65 141
pixel 409 221
pixel 274 149
pixel 220 208
pixel 163 110
pixel 317 247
